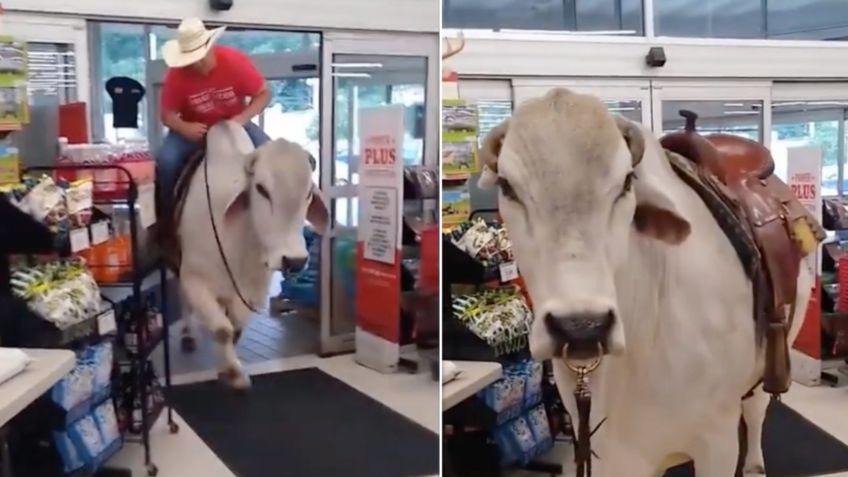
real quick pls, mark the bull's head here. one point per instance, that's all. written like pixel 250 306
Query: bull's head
pixel 575 191
pixel 280 197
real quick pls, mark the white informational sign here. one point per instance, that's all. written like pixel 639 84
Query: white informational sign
pixel 381 133
pixel 381 181
pixel 380 231
pixel 99 232
pixel 79 240
pixel 147 205
pixel 803 172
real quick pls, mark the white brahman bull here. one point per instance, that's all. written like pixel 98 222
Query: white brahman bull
pixel 260 201
pixel 665 293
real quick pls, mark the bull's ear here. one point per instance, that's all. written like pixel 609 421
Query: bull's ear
pixel 489 153
pixel 656 215
pixel 318 214
pixel 240 200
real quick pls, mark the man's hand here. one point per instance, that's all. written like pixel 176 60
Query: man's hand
pixel 195 132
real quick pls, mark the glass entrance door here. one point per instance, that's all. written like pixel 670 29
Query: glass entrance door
pixel 737 108
pixel 361 71
pixel 811 114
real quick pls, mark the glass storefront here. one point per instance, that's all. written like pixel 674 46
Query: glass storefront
pixel 738 19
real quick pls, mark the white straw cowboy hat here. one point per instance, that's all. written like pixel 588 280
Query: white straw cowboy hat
pixel 192 43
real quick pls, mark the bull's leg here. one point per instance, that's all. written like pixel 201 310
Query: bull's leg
pixel 188 339
pixel 239 316
pixel 754 413
pixel 202 300
pixel 717 454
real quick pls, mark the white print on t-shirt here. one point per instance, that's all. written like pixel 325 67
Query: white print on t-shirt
pixel 210 99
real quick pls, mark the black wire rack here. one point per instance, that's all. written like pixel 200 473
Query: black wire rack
pixel 140 271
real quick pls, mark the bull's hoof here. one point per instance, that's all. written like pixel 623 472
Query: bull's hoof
pixel 754 470
pixel 188 344
pixel 235 379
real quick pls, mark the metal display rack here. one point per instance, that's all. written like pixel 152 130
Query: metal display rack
pixel 469 449
pixel 135 282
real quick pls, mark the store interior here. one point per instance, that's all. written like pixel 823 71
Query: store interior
pixel 160 399
pixel 741 77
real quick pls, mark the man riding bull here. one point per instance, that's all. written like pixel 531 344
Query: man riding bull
pixel 205 84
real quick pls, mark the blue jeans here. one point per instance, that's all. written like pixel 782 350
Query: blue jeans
pixel 172 156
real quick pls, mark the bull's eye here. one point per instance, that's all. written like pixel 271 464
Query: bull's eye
pixel 628 183
pixel 263 192
pixel 506 189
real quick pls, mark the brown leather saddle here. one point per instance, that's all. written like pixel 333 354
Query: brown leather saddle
pixel 168 226
pixel 769 228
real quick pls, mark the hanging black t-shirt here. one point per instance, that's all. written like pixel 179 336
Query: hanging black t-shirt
pixel 126 93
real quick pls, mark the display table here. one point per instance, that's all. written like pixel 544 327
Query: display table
pixel 473 377
pixel 46 369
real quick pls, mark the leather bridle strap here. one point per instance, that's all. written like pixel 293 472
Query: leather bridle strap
pixel 583 444
pixel 583 397
pixel 218 238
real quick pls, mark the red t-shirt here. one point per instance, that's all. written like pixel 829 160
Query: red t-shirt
pixel 212 98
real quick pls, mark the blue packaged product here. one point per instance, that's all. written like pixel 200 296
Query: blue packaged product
pixel 533 384
pixel 508 452
pixel 86 437
pixel 102 361
pixel 522 437
pixel 76 387
pixel 497 395
pixel 107 422
pixel 71 460
pixel 516 395
pixel 537 418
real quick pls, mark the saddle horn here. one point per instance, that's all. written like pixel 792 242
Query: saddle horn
pixel 691 118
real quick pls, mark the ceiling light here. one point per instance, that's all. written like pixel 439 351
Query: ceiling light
pixel 357 65
pixel 351 75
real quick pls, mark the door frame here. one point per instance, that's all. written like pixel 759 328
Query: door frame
pixel 355 43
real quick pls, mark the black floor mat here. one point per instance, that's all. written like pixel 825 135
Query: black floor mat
pixel 793 447
pixel 306 423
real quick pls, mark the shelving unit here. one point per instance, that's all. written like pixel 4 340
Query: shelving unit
pixel 469 425
pixel 419 292
pixel 126 297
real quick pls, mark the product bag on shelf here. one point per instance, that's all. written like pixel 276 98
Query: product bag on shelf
pixel 499 316
pixel 62 292
pixel 89 383
pixel 524 438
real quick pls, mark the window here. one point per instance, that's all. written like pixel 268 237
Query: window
pixel 52 70
pixel 620 16
pixel 810 123
pixel 123 50
pixel 775 19
pixel 490 113
pixel 252 42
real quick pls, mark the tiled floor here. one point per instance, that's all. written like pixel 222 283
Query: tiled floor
pixel 416 397
pixel 266 338
pixel 823 406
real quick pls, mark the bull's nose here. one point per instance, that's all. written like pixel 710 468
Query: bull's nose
pixel 294 264
pixel 582 332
